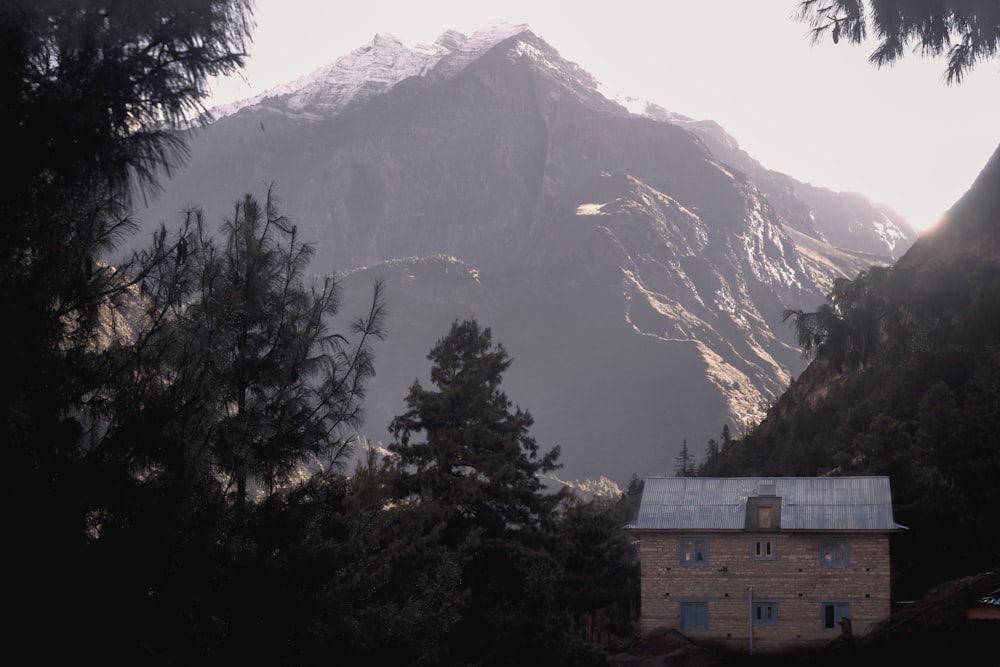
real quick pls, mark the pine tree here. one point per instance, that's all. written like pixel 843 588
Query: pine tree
pixel 726 436
pixel 265 383
pixel 98 91
pixel 232 393
pixel 478 459
pixel 684 465
pixel 474 482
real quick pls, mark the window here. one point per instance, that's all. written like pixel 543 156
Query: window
pixel 694 615
pixel 763 549
pixel 834 553
pixel 764 517
pixel 833 612
pixel 694 551
pixel 765 613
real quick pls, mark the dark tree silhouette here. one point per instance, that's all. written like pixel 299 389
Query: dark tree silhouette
pixel 478 460
pixel 473 482
pixel 853 326
pixel 684 463
pixel 249 354
pixel 97 90
pixel 966 33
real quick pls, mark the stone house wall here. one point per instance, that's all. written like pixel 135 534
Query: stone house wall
pixel 804 580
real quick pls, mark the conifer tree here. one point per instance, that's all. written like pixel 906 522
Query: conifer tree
pixel 251 353
pixel 224 430
pixel 473 481
pixel 478 461
pixel 97 90
pixel 684 465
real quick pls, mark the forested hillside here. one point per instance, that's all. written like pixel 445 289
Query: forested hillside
pixel 905 382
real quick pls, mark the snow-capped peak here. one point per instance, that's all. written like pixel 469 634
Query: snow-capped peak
pixel 473 47
pixel 373 69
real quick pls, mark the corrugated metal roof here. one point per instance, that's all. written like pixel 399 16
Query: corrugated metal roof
pixel 807 503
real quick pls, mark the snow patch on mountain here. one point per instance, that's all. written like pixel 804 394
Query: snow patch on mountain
pixel 590 209
pixel 889 232
pixel 527 50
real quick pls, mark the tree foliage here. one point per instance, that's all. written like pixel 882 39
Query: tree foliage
pixel 479 460
pixel 248 352
pixel 96 90
pixel 903 392
pixel 965 33
pixel 684 465
pixel 858 322
pixel 474 483
pixel 601 561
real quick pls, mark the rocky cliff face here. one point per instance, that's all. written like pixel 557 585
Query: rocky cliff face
pixel 846 220
pixel 635 274
pixel 937 320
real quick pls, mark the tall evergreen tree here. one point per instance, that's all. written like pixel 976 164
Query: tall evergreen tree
pixel 474 482
pixel 478 460
pixel 277 384
pixel 97 90
pixel 234 388
pixel 684 465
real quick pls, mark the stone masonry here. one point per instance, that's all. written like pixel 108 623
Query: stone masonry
pixel 803 589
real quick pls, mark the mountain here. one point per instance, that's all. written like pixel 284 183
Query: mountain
pixel 634 268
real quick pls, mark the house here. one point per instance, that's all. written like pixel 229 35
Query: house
pixel 765 564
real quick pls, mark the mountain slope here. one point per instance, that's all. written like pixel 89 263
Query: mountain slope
pixel 636 278
pixel 846 220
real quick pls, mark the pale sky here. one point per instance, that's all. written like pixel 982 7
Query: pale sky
pixel 819 113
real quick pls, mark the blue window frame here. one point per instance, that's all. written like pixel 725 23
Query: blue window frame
pixel 833 613
pixel 694 551
pixel 834 553
pixel 694 615
pixel 763 549
pixel 765 612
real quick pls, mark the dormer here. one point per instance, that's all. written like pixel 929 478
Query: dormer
pixel 764 509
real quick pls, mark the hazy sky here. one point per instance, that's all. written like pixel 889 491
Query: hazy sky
pixel 820 113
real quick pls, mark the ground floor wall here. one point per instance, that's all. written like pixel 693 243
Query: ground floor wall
pixel 764 592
